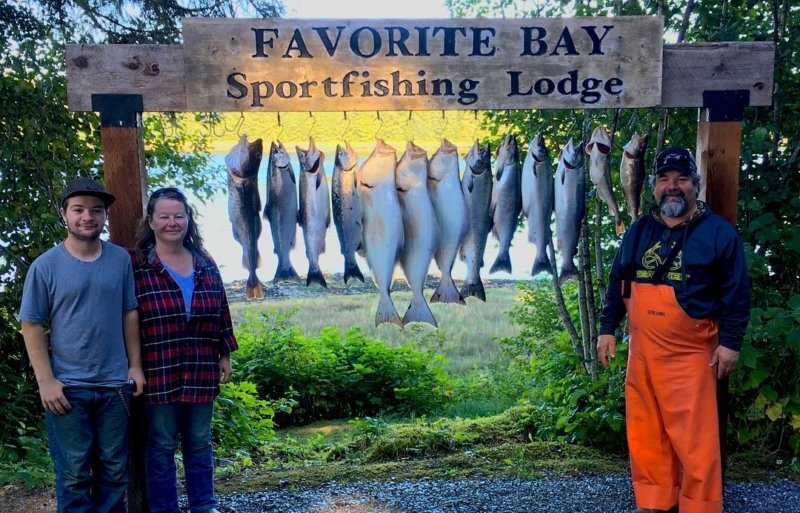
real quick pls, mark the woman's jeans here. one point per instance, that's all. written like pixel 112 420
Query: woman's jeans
pixel 89 447
pixel 192 422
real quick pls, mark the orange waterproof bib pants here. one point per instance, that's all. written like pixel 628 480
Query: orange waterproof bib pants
pixel 671 404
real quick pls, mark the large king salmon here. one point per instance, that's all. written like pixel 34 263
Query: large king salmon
pixel 315 209
pixel 537 201
pixel 281 210
pixel 570 195
pixel 599 149
pixel 383 237
pixel 476 185
pixel 506 201
pixel 419 227
pixel 347 208
pixel 244 207
pixel 444 186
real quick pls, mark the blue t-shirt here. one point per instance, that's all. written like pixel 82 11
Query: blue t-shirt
pixel 83 304
pixel 186 283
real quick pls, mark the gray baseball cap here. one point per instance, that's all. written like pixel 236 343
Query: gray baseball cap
pixel 87 187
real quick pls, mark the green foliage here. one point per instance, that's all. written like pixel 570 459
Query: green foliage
pixel 336 375
pixel 567 405
pixel 26 461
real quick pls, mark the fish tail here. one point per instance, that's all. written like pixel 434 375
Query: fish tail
pixel 315 276
pixel 419 311
pixel 387 313
pixel 473 289
pixel 501 263
pixel 351 270
pixel 568 271
pixel 541 265
pixel 447 292
pixel 619 226
pixel 285 273
pixel 253 288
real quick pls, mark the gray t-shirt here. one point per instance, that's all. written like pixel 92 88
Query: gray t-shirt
pixel 83 303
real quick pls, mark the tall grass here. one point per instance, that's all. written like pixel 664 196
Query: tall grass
pixel 467 336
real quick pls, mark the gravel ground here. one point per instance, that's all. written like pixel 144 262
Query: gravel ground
pixel 575 495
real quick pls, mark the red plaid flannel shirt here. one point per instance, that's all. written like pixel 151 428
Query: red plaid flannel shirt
pixel 181 356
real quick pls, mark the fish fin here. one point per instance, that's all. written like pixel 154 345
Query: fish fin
pixel 316 277
pixel 253 288
pixel 619 226
pixel 447 292
pixel 474 290
pixel 351 270
pixel 541 265
pixel 319 179
pixel 386 312
pixel 501 263
pixel 419 311
pixel 568 272
pixel 285 273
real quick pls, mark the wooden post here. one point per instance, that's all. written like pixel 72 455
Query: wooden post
pixel 126 178
pixel 719 136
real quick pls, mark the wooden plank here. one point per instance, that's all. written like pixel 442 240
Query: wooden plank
pixel 334 65
pixel 154 71
pixel 718 153
pixel 125 177
pixel 690 69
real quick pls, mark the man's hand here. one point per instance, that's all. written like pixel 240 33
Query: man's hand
pixel 137 375
pixel 606 348
pixel 725 359
pixel 226 372
pixel 51 392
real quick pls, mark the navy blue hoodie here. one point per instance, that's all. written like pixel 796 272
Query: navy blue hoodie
pixel 709 274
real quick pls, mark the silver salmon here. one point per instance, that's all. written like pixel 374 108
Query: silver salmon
pixel 419 228
pixel 631 173
pixel 476 185
pixel 599 149
pixel 444 186
pixel 537 201
pixel 281 210
pixel 570 203
pixel 315 210
pixel 347 209
pixel 506 201
pixel 383 237
pixel 244 207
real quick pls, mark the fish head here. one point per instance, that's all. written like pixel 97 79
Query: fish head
pixel 479 159
pixel 636 147
pixel 507 155
pixel 346 157
pixel 571 157
pixel 244 158
pixel 444 161
pixel 599 141
pixel 314 158
pixel 538 149
pixel 278 155
pixel 379 166
pixel 412 169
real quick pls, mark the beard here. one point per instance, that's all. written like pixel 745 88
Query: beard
pixel 673 208
pixel 85 235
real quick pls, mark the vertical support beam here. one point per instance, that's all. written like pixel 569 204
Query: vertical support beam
pixel 126 178
pixel 719 144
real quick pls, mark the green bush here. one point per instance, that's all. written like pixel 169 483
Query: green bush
pixel 336 375
pixel 567 405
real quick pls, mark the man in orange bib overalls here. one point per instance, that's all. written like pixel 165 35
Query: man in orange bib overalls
pixel 680 275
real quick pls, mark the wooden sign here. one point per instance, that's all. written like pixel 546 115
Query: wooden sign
pixel 349 65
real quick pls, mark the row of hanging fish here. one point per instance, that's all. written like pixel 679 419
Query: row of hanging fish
pixel 414 210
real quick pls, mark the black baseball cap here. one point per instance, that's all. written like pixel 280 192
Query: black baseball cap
pixel 87 187
pixel 675 159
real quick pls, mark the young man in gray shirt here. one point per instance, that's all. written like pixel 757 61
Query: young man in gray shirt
pixel 89 363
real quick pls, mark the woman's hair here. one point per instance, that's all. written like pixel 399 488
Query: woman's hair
pixel 146 238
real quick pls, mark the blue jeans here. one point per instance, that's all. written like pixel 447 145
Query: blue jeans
pixel 192 422
pixel 89 448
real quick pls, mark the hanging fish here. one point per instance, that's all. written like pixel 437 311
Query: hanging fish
pixel 631 173
pixel 506 201
pixel 599 149
pixel 315 211
pixel 281 210
pixel 476 185
pixel 244 207
pixel 570 203
pixel 383 224
pixel 420 229
pixel 347 209
pixel 451 216
pixel 537 201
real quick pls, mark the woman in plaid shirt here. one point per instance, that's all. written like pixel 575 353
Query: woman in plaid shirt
pixel 187 338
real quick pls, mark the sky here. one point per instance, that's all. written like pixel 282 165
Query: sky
pixel 365 9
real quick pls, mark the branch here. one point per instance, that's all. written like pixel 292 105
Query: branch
pixel 685 22
pixel 562 307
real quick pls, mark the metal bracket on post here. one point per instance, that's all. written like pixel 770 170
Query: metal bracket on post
pixel 118 110
pixel 726 105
